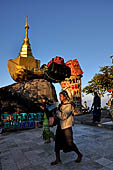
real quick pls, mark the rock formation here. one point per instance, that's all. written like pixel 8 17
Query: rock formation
pixel 26 96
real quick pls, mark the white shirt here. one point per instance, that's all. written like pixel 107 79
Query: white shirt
pixel 66 118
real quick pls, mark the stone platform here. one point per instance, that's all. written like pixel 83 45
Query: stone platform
pixel 87 119
pixel 26 150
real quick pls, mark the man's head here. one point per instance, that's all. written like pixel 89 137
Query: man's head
pixel 95 94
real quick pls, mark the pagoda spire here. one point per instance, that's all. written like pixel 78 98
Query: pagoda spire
pixel 26 39
pixel 26 47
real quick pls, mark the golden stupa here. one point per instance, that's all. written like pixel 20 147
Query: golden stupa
pixel 24 67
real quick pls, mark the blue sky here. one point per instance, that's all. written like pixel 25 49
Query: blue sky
pixel 81 29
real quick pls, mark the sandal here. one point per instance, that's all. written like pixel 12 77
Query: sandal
pixel 55 162
pixel 78 160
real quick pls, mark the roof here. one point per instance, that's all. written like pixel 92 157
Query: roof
pixel 75 67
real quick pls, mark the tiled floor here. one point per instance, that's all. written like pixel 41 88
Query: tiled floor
pixel 26 150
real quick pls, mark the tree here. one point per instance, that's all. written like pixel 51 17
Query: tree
pixel 111 58
pixel 101 82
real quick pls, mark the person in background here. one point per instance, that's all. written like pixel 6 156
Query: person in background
pixel 85 108
pixel 96 108
pixel 64 133
pixel 85 105
pixel 0 124
pixel 47 134
pixel 111 107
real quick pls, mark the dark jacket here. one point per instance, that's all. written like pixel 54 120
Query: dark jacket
pixel 97 102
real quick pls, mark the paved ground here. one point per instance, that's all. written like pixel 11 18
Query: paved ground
pixel 26 150
pixel 86 119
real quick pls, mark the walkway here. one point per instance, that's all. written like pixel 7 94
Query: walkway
pixel 26 150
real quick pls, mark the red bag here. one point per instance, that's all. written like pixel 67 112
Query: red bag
pixel 57 59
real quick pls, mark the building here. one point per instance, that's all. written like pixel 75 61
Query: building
pixel 73 84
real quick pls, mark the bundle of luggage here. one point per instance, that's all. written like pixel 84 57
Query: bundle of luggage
pixel 56 70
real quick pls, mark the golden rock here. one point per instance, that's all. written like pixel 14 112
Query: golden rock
pixel 25 66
